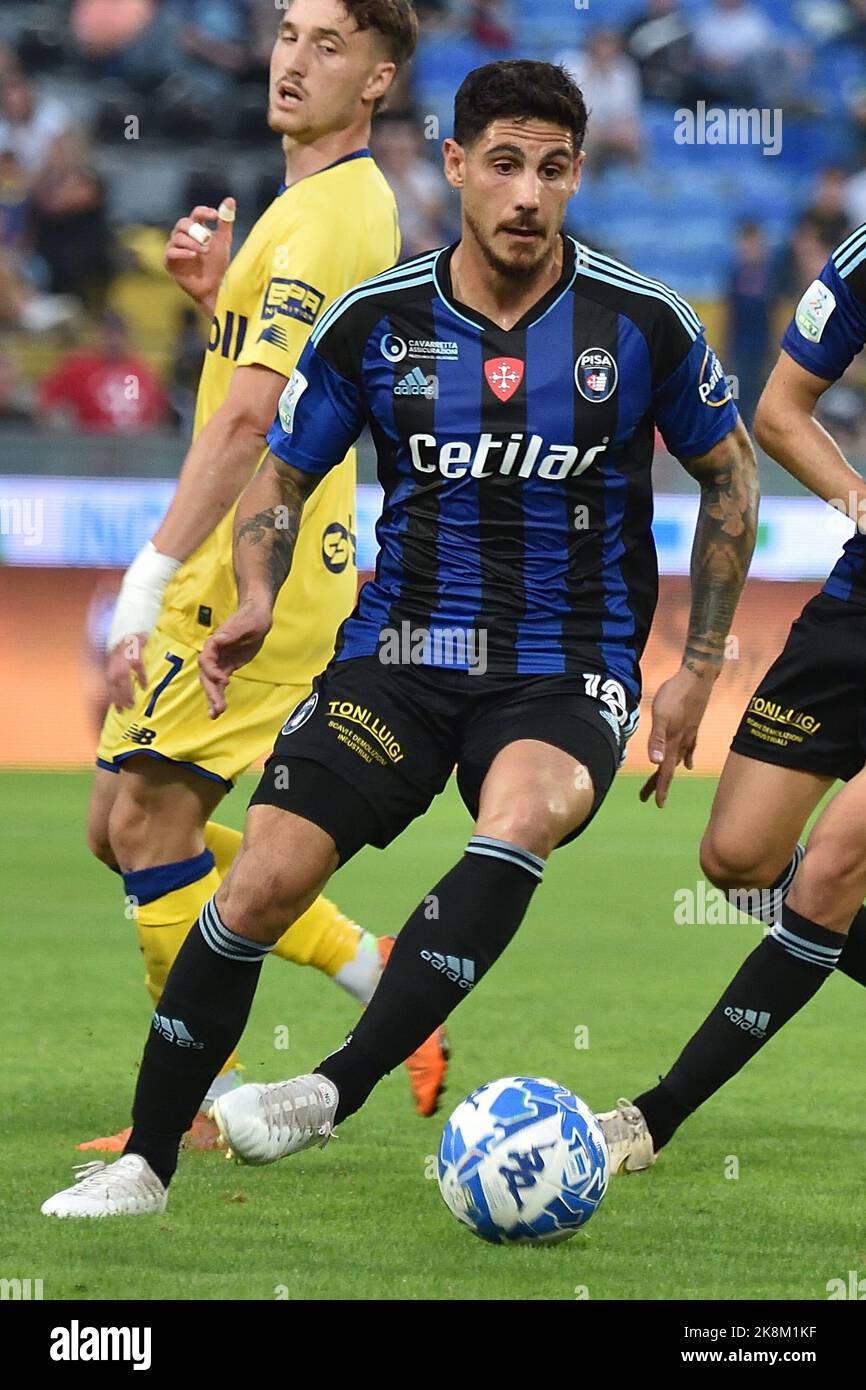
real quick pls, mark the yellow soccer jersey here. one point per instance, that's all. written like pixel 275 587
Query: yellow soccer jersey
pixel 319 238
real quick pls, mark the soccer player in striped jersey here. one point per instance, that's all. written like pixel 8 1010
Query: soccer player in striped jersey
pixel 804 728
pixel 163 765
pixel 503 630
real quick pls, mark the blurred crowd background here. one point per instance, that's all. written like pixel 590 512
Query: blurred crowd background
pixel 116 116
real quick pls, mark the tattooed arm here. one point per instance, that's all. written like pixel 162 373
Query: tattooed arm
pixel 267 522
pixel 722 552
pixel 723 546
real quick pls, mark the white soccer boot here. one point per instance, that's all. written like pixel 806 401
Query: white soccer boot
pixel 261 1123
pixel 128 1187
pixel 628 1139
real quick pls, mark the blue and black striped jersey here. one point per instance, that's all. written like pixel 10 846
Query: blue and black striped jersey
pixel 515 464
pixel 825 335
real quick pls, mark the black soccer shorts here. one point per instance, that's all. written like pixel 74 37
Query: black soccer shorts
pixel 372 746
pixel 809 712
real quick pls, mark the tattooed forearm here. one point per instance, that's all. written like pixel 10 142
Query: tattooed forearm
pixel 265 535
pixel 724 542
pixel 277 531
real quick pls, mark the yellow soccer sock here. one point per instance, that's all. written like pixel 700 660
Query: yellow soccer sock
pixel 223 844
pixel 168 908
pixel 324 938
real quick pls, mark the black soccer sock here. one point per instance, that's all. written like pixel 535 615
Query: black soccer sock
pixel 201 1015
pixel 770 901
pixel 766 903
pixel 451 940
pixel 852 961
pixel 779 977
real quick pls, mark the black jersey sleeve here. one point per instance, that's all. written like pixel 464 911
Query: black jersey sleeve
pixel 829 324
pixel 322 411
pixel 693 400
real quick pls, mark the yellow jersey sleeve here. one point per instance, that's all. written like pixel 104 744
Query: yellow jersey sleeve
pixel 316 256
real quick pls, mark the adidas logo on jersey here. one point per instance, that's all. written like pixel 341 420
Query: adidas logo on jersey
pixel 417 384
pixel 459 972
pixel 517 455
pixel 174 1030
pixel 751 1022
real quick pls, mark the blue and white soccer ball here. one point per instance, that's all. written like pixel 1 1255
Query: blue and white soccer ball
pixel 523 1160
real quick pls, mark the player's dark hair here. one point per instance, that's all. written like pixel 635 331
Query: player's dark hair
pixel 395 20
pixel 521 89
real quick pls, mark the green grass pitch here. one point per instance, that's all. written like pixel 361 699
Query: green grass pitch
pixel 600 951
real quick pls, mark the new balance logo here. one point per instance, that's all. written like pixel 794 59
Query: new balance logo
pixel 459 972
pixel 174 1030
pixel 751 1022
pixel 136 734
pixel 417 384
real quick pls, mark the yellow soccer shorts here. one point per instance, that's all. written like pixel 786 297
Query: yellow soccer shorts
pixel 170 718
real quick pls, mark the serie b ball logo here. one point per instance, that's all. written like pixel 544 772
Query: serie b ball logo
pixel 504 375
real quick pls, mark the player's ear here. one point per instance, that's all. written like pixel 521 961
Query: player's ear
pixel 454 156
pixel 578 172
pixel 379 82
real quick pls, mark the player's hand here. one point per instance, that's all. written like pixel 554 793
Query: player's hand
pixel 200 270
pixel 678 708
pixel 234 644
pixel 125 660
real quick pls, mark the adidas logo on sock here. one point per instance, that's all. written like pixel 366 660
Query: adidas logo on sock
pixel 753 1023
pixel 459 972
pixel 174 1030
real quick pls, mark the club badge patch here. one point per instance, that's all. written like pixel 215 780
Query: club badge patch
pixel 814 310
pixel 301 714
pixel 290 398
pixel 596 375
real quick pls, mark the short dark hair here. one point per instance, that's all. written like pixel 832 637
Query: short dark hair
pixel 395 20
pixel 521 89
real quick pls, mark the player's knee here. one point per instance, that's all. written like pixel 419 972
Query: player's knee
pixel 98 817
pixel 729 862
pixel 536 821
pixel 261 899
pixel 127 826
pixel 832 870
pixel 99 844
pixel 146 818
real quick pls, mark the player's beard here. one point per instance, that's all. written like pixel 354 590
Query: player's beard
pixel 509 270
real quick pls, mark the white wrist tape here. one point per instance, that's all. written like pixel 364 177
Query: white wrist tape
pixel 141 593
